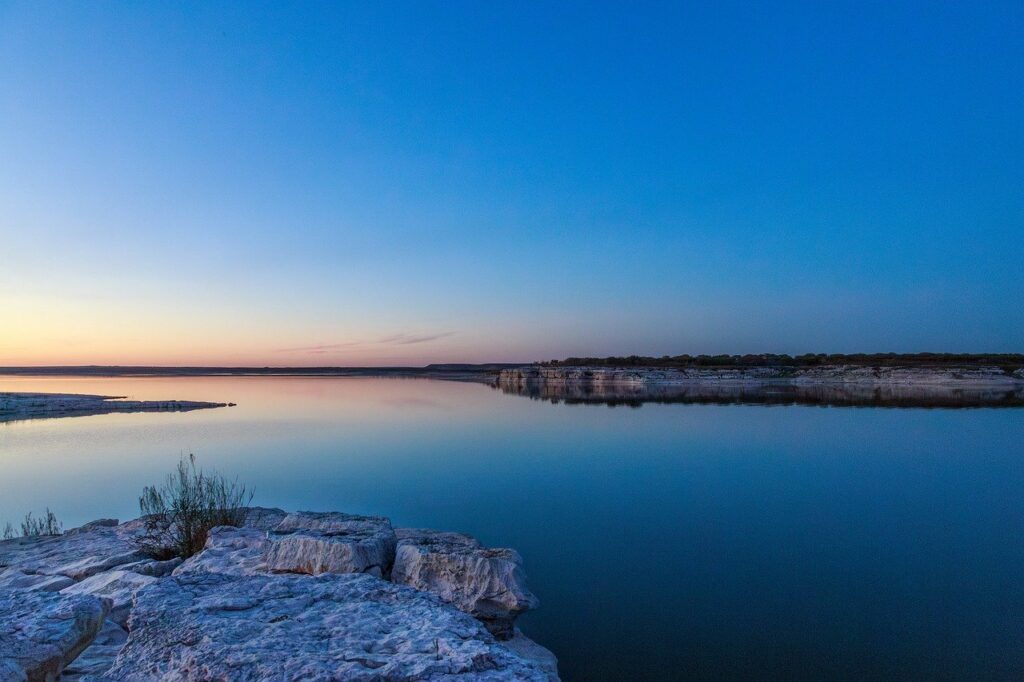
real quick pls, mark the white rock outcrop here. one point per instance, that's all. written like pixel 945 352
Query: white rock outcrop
pixel 287 596
pixel 315 543
pixel 488 584
pixel 208 626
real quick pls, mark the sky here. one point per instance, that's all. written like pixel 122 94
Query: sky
pixel 404 183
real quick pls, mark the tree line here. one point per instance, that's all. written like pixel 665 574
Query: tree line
pixel 1006 361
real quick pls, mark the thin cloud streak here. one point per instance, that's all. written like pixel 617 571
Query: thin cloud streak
pixel 321 348
pixel 401 339
pixel 408 339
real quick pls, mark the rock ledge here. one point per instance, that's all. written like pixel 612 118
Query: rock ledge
pixel 288 596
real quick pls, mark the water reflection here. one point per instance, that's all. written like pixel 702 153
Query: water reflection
pixel 671 542
pixel 845 395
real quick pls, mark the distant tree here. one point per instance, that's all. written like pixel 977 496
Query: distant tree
pixel 1008 362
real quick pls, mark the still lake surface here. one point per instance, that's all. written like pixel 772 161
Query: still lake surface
pixel 665 542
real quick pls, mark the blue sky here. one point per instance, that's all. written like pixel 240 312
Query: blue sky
pixel 353 183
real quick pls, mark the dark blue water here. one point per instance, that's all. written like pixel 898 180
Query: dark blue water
pixel 666 542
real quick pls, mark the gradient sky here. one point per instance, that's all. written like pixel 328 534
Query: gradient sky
pixel 376 183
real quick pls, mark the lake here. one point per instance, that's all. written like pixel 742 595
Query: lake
pixel 665 542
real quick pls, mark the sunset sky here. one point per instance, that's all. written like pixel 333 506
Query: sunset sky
pixel 405 183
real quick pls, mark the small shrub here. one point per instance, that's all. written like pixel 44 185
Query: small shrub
pixel 8 531
pixel 31 527
pixel 179 514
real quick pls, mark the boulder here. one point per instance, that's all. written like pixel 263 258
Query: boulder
pixel 206 626
pixel 41 632
pixel 489 584
pixel 315 543
pixel 233 551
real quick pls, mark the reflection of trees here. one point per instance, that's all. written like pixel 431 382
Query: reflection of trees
pixel 767 393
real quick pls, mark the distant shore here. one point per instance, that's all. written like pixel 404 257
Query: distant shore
pixel 21 406
pixel 875 380
pixel 448 371
pixel 836 385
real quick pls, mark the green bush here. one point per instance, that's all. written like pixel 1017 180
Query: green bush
pixel 179 514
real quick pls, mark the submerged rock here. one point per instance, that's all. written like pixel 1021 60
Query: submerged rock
pixel 315 543
pixel 489 584
pixel 205 626
pixel 41 632
pixel 531 651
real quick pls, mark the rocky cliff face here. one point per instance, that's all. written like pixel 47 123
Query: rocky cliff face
pixel 965 376
pixel 288 596
pixel 828 385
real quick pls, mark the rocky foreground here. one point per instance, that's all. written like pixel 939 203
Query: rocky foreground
pixel 18 406
pixel 302 596
pixel 822 385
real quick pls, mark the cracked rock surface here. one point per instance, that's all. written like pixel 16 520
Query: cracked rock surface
pixel 205 626
pixel 286 596
pixel 77 554
pixel 41 632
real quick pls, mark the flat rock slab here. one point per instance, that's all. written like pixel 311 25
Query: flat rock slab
pixel 315 543
pixel 489 584
pixel 209 626
pixel 17 579
pixel 118 586
pixel 95 548
pixel 41 632
pixel 77 554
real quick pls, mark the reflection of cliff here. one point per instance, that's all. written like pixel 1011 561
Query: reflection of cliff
pixel 838 386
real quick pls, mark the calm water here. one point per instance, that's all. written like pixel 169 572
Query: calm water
pixel 665 542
